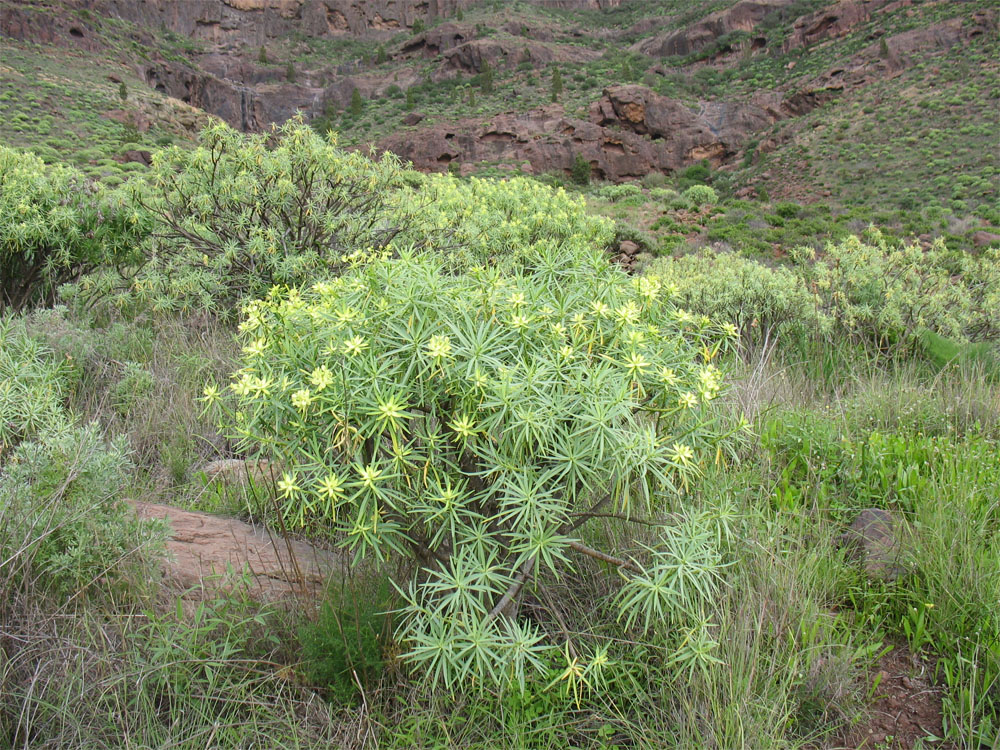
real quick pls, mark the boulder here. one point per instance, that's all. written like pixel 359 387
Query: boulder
pixel 875 540
pixel 628 248
pixel 139 156
pixel 206 551
pixel 985 239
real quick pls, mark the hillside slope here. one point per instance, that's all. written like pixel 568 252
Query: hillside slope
pixel 891 99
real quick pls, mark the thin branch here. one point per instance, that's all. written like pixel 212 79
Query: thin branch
pixel 598 555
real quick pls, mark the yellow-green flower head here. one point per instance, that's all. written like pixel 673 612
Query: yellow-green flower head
pixel 302 398
pixel 260 386
pixel 519 321
pixel 648 287
pixel 321 378
pixel 600 309
pixel 332 486
pixel 688 400
pixel 210 395
pixel 682 454
pixel 629 312
pixel 369 475
pixel 288 485
pixel 256 347
pixel 636 363
pixel 464 426
pixel 439 347
pixel 354 346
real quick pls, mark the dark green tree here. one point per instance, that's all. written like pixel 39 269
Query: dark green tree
pixel 486 78
pixel 357 104
pixel 290 72
pixel 580 171
pixel 410 100
pixel 262 55
pixel 381 56
pixel 418 26
pixel 122 91
pixel 557 84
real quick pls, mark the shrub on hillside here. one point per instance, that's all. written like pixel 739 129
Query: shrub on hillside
pixel 765 304
pixel 615 193
pixel 32 387
pixel 474 424
pixel 54 226
pixel 500 222
pixel 701 195
pixel 863 290
pixel 242 213
pixel 64 519
pixel 888 295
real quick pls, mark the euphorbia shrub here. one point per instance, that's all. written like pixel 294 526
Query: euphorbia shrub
pixel 473 424
pixel 502 222
pixel 54 226
pixel 241 213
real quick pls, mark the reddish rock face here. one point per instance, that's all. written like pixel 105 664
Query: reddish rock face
pixel 632 131
pixel 744 16
pixel 831 22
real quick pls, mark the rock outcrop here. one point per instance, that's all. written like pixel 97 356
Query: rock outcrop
pixel 254 22
pixel 743 16
pixel 714 131
pixel 203 550
pixel 471 56
pixel 828 23
pixel 632 131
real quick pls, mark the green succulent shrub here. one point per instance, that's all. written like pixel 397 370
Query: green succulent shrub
pixel 580 170
pixel 887 295
pixel 54 226
pixel 65 520
pixel 701 195
pixel 500 222
pixel 764 303
pixel 32 387
pixel 471 425
pixel 615 193
pixel 241 213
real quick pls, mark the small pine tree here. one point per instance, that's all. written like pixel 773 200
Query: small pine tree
pixel 883 49
pixel 122 91
pixel 557 85
pixel 580 171
pixel 410 100
pixel 472 97
pixel 356 104
pixel 460 16
pixel 381 56
pixel 262 55
pixel 627 73
pixel 486 78
pixel 290 72
pixel 418 26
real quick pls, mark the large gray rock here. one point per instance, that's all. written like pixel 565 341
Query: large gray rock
pixel 875 540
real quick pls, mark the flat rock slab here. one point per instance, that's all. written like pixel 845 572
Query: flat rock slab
pixel 202 550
